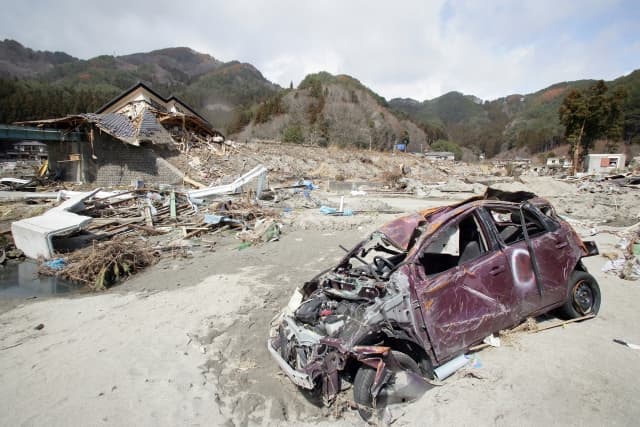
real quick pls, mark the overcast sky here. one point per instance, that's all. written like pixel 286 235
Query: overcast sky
pixel 415 48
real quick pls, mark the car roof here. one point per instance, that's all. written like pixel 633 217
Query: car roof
pixel 402 231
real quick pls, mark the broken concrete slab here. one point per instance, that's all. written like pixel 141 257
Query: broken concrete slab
pixel 34 236
pixel 259 172
pixel 100 195
pixel 16 196
pixel 11 180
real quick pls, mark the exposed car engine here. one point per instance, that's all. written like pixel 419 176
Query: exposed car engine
pixel 341 307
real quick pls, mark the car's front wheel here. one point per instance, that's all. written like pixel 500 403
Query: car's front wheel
pixel 584 296
pixel 365 378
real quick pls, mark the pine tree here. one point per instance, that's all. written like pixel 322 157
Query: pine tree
pixel 590 114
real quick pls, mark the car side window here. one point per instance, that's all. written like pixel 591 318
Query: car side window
pixel 454 245
pixel 549 217
pixel 508 222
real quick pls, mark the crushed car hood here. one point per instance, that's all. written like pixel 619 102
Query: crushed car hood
pixel 401 232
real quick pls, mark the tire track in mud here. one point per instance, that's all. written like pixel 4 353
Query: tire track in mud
pixel 246 384
pixel 250 387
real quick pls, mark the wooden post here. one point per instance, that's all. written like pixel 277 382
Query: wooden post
pixel 147 216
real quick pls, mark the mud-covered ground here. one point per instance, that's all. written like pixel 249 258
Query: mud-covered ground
pixel 184 344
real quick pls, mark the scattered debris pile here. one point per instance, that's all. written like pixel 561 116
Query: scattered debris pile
pixel 97 238
pixel 236 196
pixel 103 264
pixel 289 162
pixel 600 200
pixel 17 184
pixel 626 263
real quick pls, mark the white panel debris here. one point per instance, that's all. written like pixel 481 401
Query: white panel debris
pixel 33 236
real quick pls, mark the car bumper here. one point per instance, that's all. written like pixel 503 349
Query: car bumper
pixel 298 378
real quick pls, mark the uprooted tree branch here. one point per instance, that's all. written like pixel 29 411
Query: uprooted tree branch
pixel 104 264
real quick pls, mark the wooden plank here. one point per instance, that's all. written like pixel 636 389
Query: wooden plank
pixel 195 232
pixel 555 325
pixel 149 230
pixel 193 182
pixel 172 204
pixel 147 216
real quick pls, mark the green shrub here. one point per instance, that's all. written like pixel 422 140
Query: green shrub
pixel 444 145
pixel 293 134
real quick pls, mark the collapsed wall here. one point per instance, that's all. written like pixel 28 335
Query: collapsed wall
pixel 119 164
pixel 110 162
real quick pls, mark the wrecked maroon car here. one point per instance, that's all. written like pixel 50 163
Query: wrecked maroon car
pixel 404 304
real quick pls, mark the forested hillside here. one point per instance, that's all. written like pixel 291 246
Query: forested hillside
pixel 324 109
pixel 35 85
pixel 514 121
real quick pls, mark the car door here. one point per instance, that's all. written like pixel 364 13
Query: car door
pixel 548 244
pixel 552 252
pixel 464 297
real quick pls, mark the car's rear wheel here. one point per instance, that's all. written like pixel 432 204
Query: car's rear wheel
pixel 364 381
pixel 584 296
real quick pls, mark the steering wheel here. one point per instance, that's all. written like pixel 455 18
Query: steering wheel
pixel 381 262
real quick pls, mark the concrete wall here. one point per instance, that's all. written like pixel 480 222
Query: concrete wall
pixel 115 163
pixel 119 164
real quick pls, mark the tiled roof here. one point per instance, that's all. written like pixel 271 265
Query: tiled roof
pixel 117 125
pixel 149 124
pixel 152 130
pixel 120 126
pixel 145 127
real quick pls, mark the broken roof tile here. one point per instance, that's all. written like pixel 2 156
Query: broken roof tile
pixel 115 124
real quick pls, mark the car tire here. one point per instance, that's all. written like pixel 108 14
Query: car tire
pixel 584 296
pixel 364 381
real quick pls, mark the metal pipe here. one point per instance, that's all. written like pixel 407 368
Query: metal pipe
pixel 446 370
pixel 354 255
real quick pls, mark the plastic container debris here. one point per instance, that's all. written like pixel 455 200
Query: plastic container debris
pixel 56 264
pixel 326 210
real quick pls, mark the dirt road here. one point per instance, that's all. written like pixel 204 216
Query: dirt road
pixel 184 344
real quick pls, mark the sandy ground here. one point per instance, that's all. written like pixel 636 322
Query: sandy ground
pixel 184 344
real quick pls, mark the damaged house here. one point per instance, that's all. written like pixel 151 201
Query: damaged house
pixel 129 138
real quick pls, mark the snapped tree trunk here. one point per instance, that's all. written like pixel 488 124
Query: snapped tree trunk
pixel 576 149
